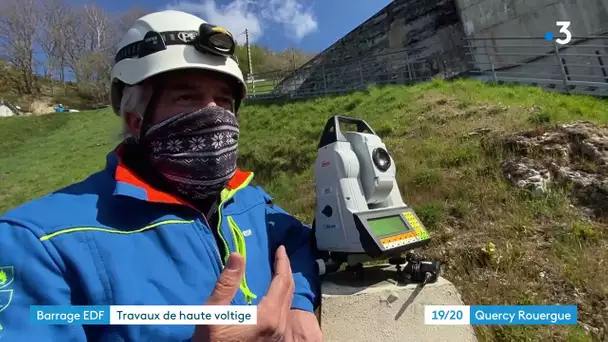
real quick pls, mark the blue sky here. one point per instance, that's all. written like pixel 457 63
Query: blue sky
pixel 310 25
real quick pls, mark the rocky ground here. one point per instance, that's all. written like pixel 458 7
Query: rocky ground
pixel 544 244
pixel 574 155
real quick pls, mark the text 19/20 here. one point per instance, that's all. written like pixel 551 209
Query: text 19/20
pixel 447 315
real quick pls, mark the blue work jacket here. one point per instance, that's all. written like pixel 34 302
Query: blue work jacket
pixel 114 240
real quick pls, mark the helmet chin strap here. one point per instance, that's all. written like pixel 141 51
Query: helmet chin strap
pixel 150 108
pixel 236 103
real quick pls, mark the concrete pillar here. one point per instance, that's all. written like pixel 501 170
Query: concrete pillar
pixel 378 309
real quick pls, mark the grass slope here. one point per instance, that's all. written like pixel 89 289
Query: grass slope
pixel 455 186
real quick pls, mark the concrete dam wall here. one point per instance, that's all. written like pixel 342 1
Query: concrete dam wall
pixel 521 18
pixel 414 40
pixel 408 40
pixel 494 19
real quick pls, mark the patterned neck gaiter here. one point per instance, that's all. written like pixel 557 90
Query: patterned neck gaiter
pixel 195 152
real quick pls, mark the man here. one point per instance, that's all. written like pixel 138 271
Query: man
pixel 170 221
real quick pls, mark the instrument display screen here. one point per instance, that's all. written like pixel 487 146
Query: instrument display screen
pixel 388 225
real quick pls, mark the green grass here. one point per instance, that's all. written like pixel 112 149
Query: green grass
pixel 545 252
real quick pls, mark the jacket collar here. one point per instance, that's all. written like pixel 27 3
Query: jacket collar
pixel 130 184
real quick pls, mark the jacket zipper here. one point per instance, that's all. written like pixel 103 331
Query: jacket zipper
pixel 241 247
pixel 244 287
pixel 219 232
pixel 217 251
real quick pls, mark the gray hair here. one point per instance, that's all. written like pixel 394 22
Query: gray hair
pixel 134 100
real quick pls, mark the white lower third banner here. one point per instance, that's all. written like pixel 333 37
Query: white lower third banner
pixel 145 315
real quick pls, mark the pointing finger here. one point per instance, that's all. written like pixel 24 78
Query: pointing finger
pixel 282 285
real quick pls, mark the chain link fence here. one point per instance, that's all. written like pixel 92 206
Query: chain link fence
pixel 578 67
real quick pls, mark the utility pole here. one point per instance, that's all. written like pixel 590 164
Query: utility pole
pixel 295 70
pixel 250 76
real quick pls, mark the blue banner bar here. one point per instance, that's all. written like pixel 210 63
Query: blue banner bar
pixel 524 314
pixel 68 314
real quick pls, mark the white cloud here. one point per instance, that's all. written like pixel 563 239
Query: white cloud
pixel 239 15
pixel 235 17
pixel 297 20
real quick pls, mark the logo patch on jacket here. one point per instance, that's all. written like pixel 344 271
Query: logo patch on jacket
pixel 247 232
pixel 7 275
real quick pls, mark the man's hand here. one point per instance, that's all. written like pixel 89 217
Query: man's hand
pixel 273 309
pixel 303 326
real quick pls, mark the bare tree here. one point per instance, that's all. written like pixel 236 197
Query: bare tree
pixel 105 32
pixel 76 28
pixel 123 21
pixel 76 44
pixel 18 24
pixel 51 38
pixel 97 23
pixel 88 29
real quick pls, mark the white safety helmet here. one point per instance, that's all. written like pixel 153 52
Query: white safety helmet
pixel 173 40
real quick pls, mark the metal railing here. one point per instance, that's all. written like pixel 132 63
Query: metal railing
pixel 403 66
pixel 578 67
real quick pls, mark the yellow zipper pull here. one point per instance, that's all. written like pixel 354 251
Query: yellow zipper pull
pixel 239 241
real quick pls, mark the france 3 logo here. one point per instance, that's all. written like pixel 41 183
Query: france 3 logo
pixel 564 28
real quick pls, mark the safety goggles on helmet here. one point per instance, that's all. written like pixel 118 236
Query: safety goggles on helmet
pixel 208 39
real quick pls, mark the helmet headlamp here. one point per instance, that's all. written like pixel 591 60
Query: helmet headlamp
pixel 215 40
pixel 208 39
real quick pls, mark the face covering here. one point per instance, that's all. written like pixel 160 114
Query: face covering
pixel 195 152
